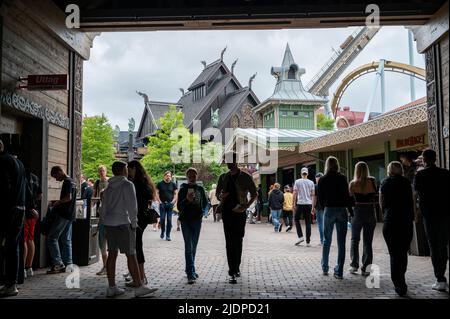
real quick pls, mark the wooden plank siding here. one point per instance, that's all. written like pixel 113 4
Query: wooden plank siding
pixel 29 48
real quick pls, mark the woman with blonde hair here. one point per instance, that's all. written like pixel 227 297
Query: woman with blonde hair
pixel 334 197
pixel 396 202
pixel 363 188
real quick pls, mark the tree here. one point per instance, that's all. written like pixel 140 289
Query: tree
pixel 324 123
pixel 97 145
pixel 174 148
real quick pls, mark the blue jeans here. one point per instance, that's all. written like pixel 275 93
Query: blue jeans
pixel 338 216
pixel 60 234
pixel 319 219
pixel 191 233
pixel 276 214
pixel 165 211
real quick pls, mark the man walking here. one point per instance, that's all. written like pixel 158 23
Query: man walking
pixel 304 193
pixel 118 214
pixel 232 190
pixel 432 187
pixel 59 239
pixel 12 210
pixel 167 195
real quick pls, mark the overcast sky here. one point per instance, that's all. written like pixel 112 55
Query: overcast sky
pixel 159 63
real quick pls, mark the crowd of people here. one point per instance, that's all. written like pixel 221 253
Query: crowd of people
pixel 411 188
pixel 127 198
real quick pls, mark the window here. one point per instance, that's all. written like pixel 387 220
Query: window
pixel 284 113
pixel 291 73
pixel 295 113
pixel 199 92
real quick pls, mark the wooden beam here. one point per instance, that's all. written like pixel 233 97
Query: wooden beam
pixel 433 30
pixel 48 15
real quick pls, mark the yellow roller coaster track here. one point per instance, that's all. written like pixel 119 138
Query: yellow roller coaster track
pixel 390 66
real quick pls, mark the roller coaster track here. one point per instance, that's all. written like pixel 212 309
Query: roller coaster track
pixel 336 65
pixel 390 66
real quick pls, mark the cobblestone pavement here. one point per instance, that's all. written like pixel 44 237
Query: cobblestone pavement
pixel 272 267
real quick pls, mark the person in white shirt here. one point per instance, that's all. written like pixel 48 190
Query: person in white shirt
pixel 118 214
pixel 304 196
pixel 214 203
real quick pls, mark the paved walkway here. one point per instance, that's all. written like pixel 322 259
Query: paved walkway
pixel 272 268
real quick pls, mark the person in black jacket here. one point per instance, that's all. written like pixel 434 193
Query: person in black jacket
pixel 191 204
pixel 276 200
pixel 334 197
pixel 12 210
pixel 396 202
pixel 145 193
pixel 432 187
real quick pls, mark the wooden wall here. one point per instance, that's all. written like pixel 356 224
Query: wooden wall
pixel 28 48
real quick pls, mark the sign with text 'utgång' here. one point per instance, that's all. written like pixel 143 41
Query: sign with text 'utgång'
pixel 47 82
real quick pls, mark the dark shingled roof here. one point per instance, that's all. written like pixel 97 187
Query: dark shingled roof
pixel 192 109
pixel 206 74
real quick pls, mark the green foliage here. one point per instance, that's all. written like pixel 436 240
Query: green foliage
pixel 97 145
pixel 174 148
pixel 324 123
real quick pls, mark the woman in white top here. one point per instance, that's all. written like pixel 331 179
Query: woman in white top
pixel 214 202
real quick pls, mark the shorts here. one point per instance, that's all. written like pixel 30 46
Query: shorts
pixel 121 237
pixel 28 229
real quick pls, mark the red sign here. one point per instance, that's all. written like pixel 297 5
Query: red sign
pixel 47 82
pixel 411 141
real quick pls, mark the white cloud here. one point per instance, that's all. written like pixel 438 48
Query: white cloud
pixel 161 62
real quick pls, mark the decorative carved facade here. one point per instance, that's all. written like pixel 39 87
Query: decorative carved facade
pixel 19 102
pixel 382 124
pixel 78 117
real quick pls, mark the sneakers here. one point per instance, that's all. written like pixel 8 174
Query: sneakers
pixel 168 239
pixel 325 273
pixel 9 291
pixel 280 227
pixel 127 277
pixel 102 272
pixel 232 280
pixel 143 291
pixel 337 276
pixel 155 229
pixel 196 275
pixel 29 272
pixel 56 269
pixel 365 273
pixel 238 274
pixel 300 240
pixel 112 292
pixel 353 270
pixel 288 229
pixel 191 281
pixel 161 236
pixel 308 245
pixel 440 286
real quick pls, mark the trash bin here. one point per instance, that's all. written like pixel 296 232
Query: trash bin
pixel 84 235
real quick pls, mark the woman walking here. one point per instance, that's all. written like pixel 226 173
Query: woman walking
pixel 396 202
pixel 335 198
pixel 214 203
pixel 145 193
pixel 191 204
pixel 363 189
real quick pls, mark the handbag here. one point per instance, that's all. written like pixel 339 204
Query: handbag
pixel 149 216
